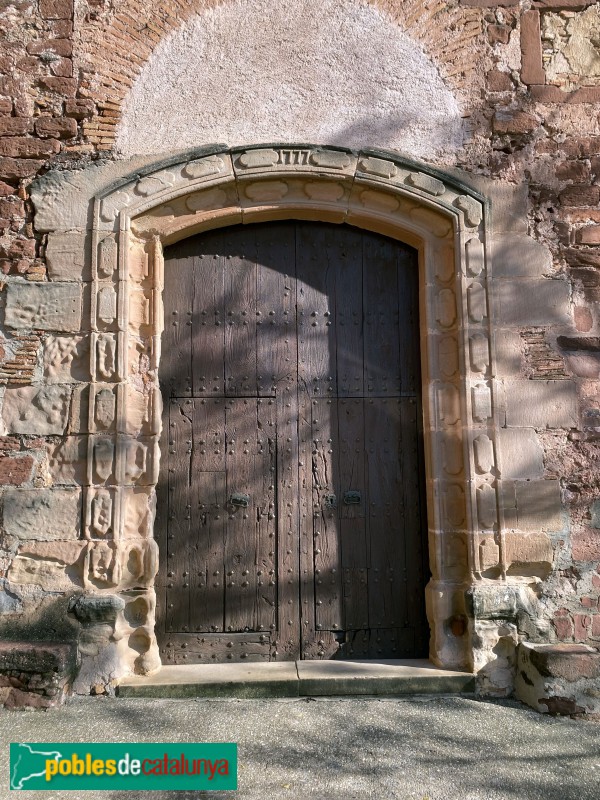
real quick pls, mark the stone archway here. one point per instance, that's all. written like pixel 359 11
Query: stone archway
pixel 377 191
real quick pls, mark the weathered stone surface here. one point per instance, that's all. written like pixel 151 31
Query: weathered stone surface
pixel 37 657
pixel 514 306
pixel 42 514
pixel 528 555
pixel 67 359
pixel 37 410
pixel 541 404
pixel 54 566
pixel 67 256
pixel 67 460
pixel 520 454
pixel 519 256
pixel 559 678
pixel 93 610
pixel 539 505
pixel 43 306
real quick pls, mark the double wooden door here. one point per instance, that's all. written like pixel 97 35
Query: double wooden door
pixel 290 507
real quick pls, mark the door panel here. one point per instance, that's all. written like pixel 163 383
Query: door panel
pixel 293 510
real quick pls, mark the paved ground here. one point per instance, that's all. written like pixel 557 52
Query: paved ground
pixel 434 748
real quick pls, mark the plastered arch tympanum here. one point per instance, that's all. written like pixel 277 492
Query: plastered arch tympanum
pixel 216 187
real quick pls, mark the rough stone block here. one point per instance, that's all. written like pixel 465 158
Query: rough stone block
pixel 585 545
pixel 43 306
pixel 539 506
pixel 520 454
pixel 54 566
pixel 541 404
pixel 519 256
pixel 515 305
pixel 67 257
pixel 37 657
pixel 42 514
pixel 559 679
pixel 42 411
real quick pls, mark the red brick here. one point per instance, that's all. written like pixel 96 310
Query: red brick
pixel 514 122
pixel 553 94
pixel 546 146
pixel 15 471
pixel 498 34
pixel 499 81
pixel 56 127
pixel 80 109
pixel 586 545
pixel 564 627
pixel 576 171
pixel 6 105
pixel 61 28
pixel 532 70
pixel 583 319
pixel 12 208
pixel 15 126
pixel 589 602
pixel 56 9
pixel 62 67
pixel 595 164
pixel 596 625
pixel 22 147
pixel 16 168
pixel 589 235
pixel 7 442
pixel 62 47
pixel 580 195
pixel 65 86
pixel 18 699
pixel 582 624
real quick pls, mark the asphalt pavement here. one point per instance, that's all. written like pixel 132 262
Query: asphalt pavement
pixel 421 747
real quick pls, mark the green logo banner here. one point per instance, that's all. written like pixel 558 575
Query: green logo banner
pixel 124 767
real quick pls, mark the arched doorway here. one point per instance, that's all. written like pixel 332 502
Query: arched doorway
pixel 291 519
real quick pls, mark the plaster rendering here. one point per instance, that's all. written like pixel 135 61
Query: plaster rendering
pixel 337 72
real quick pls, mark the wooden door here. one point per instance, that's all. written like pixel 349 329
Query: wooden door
pixel 290 508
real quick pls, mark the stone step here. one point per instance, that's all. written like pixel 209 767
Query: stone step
pixel 299 679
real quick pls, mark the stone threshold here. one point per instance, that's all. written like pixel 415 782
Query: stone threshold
pixel 299 679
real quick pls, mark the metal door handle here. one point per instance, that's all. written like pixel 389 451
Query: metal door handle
pixel 239 500
pixel 352 498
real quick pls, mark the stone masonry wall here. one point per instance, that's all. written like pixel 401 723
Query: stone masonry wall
pixel 526 79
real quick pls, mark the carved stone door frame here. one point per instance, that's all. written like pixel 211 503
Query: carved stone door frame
pixel 378 191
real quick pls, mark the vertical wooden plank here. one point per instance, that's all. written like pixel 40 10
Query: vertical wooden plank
pixel 316 265
pixel 387 595
pixel 349 313
pixel 287 643
pixel 175 368
pixel 326 524
pixel 276 306
pixel 209 510
pixel 208 318
pixel 264 446
pixel 240 311
pixel 177 594
pixel 408 319
pixel 380 293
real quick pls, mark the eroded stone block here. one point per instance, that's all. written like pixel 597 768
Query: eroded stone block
pixel 43 306
pixel 528 555
pixel 42 514
pixel 66 359
pixel 55 566
pixel 42 411
pixel 67 460
pixel 541 404
pixel 559 679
